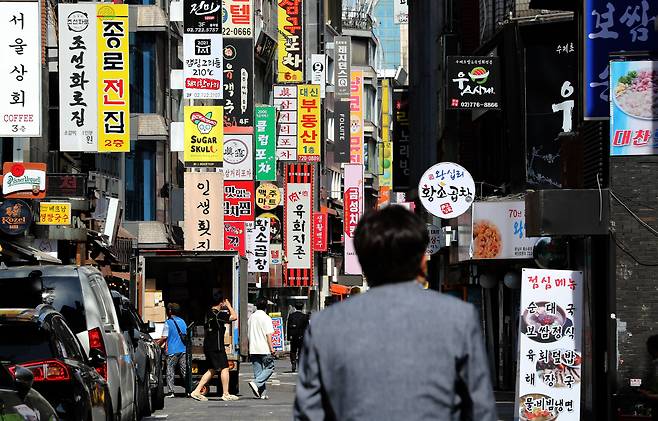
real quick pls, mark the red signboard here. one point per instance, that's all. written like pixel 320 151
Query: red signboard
pixel 239 201
pixel 298 229
pixel 319 231
pixel 234 237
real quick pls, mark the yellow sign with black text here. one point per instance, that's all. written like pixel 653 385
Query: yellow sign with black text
pixel 204 136
pixel 54 213
pixel 308 123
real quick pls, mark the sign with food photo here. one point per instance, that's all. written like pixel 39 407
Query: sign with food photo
pixel 633 107
pixel 550 345
pixel 499 231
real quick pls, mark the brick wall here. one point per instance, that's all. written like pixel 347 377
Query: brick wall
pixel 633 180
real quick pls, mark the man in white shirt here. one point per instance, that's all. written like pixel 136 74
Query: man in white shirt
pixel 261 350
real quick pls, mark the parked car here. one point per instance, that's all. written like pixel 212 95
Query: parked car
pixel 41 341
pixel 146 354
pixel 81 296
pixel 19 401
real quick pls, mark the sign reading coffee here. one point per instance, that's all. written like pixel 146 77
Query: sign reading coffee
pixel 15 217
pixel 473 83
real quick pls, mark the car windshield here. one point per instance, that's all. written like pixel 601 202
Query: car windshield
pixel 63 293
pixel 23 342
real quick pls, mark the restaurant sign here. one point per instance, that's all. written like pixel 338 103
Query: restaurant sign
pixel 473 83
pixel 446 190
pixel 15 217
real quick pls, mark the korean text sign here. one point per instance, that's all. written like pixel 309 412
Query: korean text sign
pixel 204 136
pixel 633 108
pixel 202 49
pixel 258 252
pixel 401 143
pixel 238 157
pixel 20 94
pixel 298 230
pixel 343 70
pixel 113 78
pixel 356 117
pixel 277 336
pixel 285 100
pixel 612 26
pixel 320 231
pixel 353 209
pixel 265 136
pixel 290 67
pixel 446 190
pixel 235 237
pixel 550 345
pixel 473 82
pixel 238 82
pixel 268 196
pixel 54 213
pixel 78 101
pixel 386 154
pixel 239 201
pixel 204 217
pixel 308 123
pixel 239 18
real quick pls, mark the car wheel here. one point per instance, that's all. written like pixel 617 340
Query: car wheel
pixel 158 401
pixel 147 399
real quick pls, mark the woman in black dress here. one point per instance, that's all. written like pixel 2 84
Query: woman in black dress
pixel 220 314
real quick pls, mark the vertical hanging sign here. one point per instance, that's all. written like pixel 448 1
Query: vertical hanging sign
pixel 238 18
pixel 290 67
pixel 202 49
pixel 238 157
pixel 204 136
pixel 308 123
pixel 258 252
pixel 285 100
pixel 204 218
pixel 238 82
pixel 319 72
pixel 356 118
pixel 78 101
pixel 343 61
pixel 342 135
pixel 298 210
pixel 320 231
pixel 386 155
pixel 265 129
pixel 401 155
pixel 20 93
pixel 113 78
pixel 353 209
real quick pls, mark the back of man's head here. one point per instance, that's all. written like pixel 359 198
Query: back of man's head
pixel 261 304
pixel 217 298
pixel 174 309
pixel 299 306
pixel 390 244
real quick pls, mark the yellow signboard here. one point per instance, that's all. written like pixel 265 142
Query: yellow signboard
pixel 204 136
pixel 290 39
pixel 112 37
pixel 308 123
pixel 386 155
pixel 54 213
pixel 268 196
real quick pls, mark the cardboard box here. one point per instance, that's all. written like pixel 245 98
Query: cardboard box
pixel 154 314
pixel 153 299
pixel 150 284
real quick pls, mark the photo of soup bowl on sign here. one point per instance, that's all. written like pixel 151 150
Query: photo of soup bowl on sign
pixel 533 407
pixel 545 322
pixel 636 94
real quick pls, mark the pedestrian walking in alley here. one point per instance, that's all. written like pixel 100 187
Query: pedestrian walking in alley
pixel 261 349
pixel 398 351
pixel 220 314
pixel 297 323
pixel 173 338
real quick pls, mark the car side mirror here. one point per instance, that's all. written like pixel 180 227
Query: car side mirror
pixel 151 327
pixel 96 358
pixel 23 380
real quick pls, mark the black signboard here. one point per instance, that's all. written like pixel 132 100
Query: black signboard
pixel 238 82
pixel 265 47
pixel 342 132
pixel 202 16
pixel 473 83
pixel 73 186
pixel 15 217
pixel 343 63
pixel 401 143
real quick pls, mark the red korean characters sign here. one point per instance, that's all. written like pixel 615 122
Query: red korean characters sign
pixel 234 237
pixel 239 201
pixel 298 220
pixel 319 231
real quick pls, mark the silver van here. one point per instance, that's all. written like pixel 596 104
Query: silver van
pixel 81 295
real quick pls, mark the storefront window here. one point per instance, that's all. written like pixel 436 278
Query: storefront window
pixel 140 182
pixel 142 73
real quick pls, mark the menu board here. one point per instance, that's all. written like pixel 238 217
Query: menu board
pixel 550 345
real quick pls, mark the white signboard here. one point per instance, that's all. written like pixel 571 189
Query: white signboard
pixel 446 190
pixel 298 226
pixel 78 99
pixel 319 72
pixel 401 11
pixel 286 154
pixel 435 243
pixel 499 231
pixel 238 157
pixel 285 101
pixel 20 49
pixel 550 346
pixel 202 66
pixel 258 250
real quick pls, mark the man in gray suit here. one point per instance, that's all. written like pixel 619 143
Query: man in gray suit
pixel 399 351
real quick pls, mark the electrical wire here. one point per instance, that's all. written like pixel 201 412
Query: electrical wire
pixel 637 218
pixel 627 252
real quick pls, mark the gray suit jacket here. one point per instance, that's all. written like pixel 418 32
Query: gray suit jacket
pixel 397 352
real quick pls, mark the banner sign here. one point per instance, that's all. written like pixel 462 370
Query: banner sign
pixel 238 82
pixel 446 190
pixel 204 219
pixel 202 17
pixel 113 67
pixel 238 18
pixel 612 26
pixel 235 237
pixel 285 100
pixel 473 83
pixel 54 213
pixel 298 210
pixel 20 93
pixel 352 211
pixel 265 129
pixel 342 132
pixel 319 72
pixel 400 12
pixel 308 123
pixel 633 109
pixel 278 336
pixel 320 222
pixel 24 180
pixel 343 69
pixel 550 348
pixel 435 243
pixel 290 41
pixel 238 157
pixel 401 143
pixel 386 153
pixel 268 196
pixel 258 252
pixel 78 102
pixel 204 136
pixel 202 66
pixel 15 217
pixel 356 117
pixel 239 201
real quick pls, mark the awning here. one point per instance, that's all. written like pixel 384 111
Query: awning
pixel 149 127
pixel 151 18
pixel 26 253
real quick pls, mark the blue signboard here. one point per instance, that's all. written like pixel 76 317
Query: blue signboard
pixel 613 26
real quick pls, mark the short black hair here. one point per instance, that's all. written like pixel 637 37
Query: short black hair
pixel 299 306
pixel 390 244
pixel 261 303
pixel 217 298
pixel 652 345
pixel 174 309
